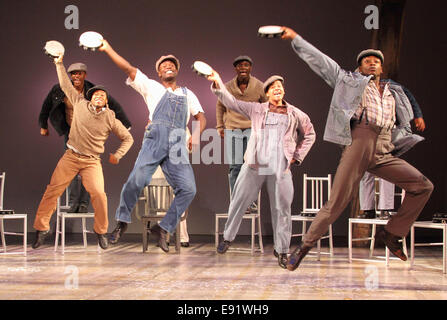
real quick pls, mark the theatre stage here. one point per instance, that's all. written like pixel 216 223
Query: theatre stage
pixel 198 273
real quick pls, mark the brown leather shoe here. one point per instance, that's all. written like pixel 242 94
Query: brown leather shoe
pixel 161 236
pixel 297 255
pixel 392 242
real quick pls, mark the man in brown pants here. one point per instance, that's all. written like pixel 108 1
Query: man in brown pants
pixel 370 118
pixel 92 122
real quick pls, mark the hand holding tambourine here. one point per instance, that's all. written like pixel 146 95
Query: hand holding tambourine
pixel 90 40
pixel 276 32
pixel 104 45
pixel 54 49
pixel 59 59
pixel 203 69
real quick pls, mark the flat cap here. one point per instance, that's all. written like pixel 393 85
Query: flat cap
pixel 270 80
pixel 78 66
pixel 92 90
pixel 370 52
pixel 242 58
pixel 168 57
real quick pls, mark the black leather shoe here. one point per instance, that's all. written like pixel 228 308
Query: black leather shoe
pixel 223 246
pixel 83 208
pixel 282 260
pixel 102 240
pixel 368 214
pixel 275 253
pixel 161 236
pixel 117 233
pixel 73 208
pixel 392 242
pixel 40 238
pixel 184 244
pixel 297 255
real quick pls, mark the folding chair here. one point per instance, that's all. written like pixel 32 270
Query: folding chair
pixel 373 223
pixel 10 215
pixel 60 224
pixel 316 192
pixel 255 218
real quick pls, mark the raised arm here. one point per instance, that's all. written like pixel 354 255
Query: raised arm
pixel 122 63
pixel 320 63
pixel 64 81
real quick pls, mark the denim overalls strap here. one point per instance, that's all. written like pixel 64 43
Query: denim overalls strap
pixel 172 110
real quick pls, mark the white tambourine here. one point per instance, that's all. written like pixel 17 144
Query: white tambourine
pixel 54 49
pixel 90 40
pixel 202 69
pixel 270 32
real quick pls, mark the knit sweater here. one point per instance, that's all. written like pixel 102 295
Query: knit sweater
pixel 229 119
pixel 90 129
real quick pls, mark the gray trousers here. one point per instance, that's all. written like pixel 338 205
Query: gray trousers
pixel 246 189
pixel 370 151
pixel 367 193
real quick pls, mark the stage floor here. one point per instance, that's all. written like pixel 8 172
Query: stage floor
pixel 123 272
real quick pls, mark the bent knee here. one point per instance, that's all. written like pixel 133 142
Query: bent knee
pixel 423 186
pixel 189 190
pixel 427 185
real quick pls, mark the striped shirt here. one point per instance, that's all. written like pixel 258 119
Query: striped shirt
pixel 378 109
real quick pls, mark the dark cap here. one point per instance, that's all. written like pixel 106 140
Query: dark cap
pixel 169 57
pixel 242 58
pixel 370 52
pixel 92 90
pixel 270 81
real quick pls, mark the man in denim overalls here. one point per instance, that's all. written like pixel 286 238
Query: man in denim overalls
pixel 164 143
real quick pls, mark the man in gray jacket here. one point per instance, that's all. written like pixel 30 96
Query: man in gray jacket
pixel 370 118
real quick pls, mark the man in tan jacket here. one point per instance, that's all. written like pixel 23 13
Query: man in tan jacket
pixel 91 125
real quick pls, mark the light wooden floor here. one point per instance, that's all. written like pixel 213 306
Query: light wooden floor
pixel 199 273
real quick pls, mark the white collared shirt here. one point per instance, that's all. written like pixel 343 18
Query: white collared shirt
pixel 152 92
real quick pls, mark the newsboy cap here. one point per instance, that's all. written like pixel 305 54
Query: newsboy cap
pixel 270 81
pixel 242 58
pixel 370 52
pixel 168 57
pixel 92 90
pixel 78 66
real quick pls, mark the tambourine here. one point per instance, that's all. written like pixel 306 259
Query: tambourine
pixel 270 32
pixel 54 49
pixel 202 69
pixel 90 40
